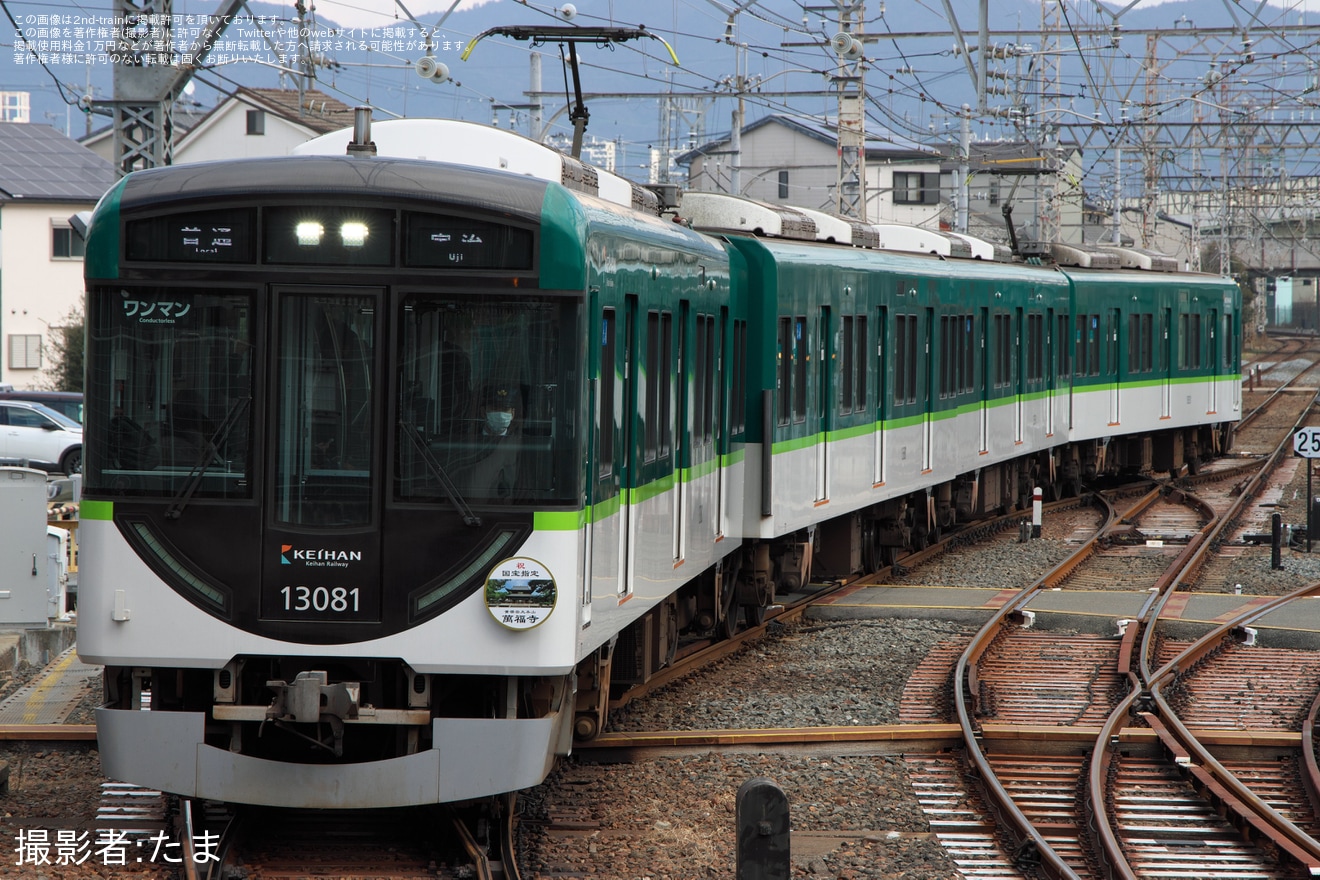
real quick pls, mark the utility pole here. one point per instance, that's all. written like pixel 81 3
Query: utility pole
pixel 148 78
pixel 850 81
pixel 145 84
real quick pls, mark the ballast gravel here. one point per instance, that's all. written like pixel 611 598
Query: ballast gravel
pixel 804 674
pixel 853 816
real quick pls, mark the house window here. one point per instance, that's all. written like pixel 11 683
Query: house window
pixel 24 351
pixel 916 188
pixel 65 244
pixel 783 184
pixel 256 122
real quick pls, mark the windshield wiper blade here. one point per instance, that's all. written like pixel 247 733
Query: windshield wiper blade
pixel 210 449
pixel 434 466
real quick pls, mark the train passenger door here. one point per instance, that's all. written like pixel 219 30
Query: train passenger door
pixel 1064 361
pixel 615 401
pixel 928 396
pixel 1231 346
pixel 683 425
pixel 722 416
pixel 1214 360
pixel 882 392
pixel 1112 350
pixel 1019 367
pixel 705 400
pixel 984 369
pixel 824 402
pixel 1051 381
pixel 1166 363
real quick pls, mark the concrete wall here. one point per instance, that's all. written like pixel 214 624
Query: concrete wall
pixel 37 290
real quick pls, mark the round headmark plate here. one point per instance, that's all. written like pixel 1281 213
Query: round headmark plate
pixel 520 593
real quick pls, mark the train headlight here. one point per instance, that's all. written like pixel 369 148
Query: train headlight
pixel 353 234
pixel 309 233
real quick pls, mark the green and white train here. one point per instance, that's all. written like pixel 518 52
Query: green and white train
pixel 396 467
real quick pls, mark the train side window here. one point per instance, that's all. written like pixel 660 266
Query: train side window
pixel 1147 342
pixel 967 350
pixel 785 377
pixel 847 360
pixel 666 380
pixel 1230 344
pixel 654 378
pixel 1080 344
pixel 1134 344
pixel 859 364
pixel 946 355
pixel 1093 345
pixel 1189 341
pixel 703 416
pixel 906 356
pixel 699 384
pixel 852 364
pixel 910 361
pixel 1035 347
pixel 1064 366
pixel 1003 355
pixel 738 406
pixel 900 358
pixel 605 403
pixel 801 357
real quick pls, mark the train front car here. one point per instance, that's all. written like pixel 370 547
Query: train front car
pixel 332 536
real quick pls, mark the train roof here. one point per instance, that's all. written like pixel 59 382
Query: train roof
pixel 785 252
pixel 336 176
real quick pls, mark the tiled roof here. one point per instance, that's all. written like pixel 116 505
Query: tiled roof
pixel 41 164
pixel 318 111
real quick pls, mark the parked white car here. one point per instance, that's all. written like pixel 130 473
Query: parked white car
pixel 37 436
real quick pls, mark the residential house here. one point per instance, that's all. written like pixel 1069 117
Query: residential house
pixel 45 178
pixel 1042 192
pixel 250 122
pixel 795 161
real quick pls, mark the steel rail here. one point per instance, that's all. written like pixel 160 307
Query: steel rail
pixel 1218 784
pixel 1140 697
pixel 1028 843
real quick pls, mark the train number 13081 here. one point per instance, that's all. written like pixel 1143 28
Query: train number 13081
pixel 341 600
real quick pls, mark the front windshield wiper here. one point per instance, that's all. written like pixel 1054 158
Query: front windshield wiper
pixel 210 449
pixel 434 466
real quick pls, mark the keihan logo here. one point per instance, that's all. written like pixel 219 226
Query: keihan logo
pixel 319 557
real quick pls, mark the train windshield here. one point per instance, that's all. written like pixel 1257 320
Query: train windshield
pixel 171 380
pixel 487 403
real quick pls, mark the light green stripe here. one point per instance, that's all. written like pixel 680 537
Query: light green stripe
pixel 103 510
pixel 559 520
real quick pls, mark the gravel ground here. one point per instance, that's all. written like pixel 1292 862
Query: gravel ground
pixel 800 675
pixel 675 818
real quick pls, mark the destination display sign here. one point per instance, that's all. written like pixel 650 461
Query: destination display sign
pixel 193 237
pixel 436 241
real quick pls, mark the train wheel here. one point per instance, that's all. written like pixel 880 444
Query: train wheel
pixel 671 631
pixel 728 622
pixel 871 550
pixel 923 537
pixel 754 611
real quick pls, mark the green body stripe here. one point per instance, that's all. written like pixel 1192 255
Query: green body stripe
pixel 103 510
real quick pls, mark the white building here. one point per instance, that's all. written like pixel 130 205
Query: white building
pixel 44 179
pixel 249 123
pixel 794 161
